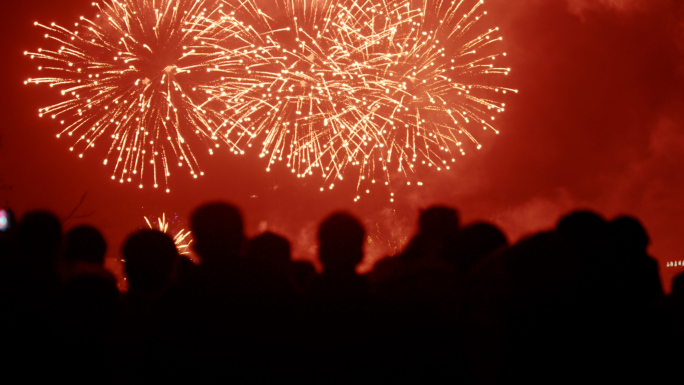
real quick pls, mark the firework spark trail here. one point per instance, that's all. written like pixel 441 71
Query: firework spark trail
pixel 381 87
pixel 136 76
pixel 181 238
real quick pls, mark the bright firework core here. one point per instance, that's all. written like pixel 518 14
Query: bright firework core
pixel 331 89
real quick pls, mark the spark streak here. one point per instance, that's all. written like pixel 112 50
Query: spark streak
pixel 181 238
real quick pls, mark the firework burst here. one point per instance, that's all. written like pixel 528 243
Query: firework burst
pixel 182 238
pixel 135 77
pixel 371 89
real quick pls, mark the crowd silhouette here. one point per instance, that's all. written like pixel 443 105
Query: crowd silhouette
pixel 460 304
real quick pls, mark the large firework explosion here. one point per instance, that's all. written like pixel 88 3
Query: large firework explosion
pixel 133 77
pixel 371 89
pixel 374 90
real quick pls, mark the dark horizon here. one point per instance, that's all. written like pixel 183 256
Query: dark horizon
pixel 598 123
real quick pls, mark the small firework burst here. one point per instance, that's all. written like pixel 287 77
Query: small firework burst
pixel 182 238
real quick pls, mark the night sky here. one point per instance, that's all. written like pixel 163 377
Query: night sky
pixel 598 123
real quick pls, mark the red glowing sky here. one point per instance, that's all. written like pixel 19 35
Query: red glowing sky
pixel 598 123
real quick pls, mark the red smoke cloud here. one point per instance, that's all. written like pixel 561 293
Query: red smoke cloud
pixel 578 7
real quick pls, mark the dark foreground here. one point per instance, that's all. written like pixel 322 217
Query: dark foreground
pixel 460 305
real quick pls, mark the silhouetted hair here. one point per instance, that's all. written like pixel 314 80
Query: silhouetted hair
pixel 85 243
pixel 150 257
pixel 580 224
pixel 584 231
pixel 40 233
pixel 438 221
pixel 678 284
pixel 217 227
pixel 477 241
pixel 437 226
pixel 341 239
pixel 629 232
pixel 270 247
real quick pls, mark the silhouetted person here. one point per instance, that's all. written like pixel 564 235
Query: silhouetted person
pixel 423 276
pixel 338 302
pixel 84 253
pixel 86 244
pixel 40 238
pixel 90 303
pixel 226 320
pixel 637 298
pixel 475 242
pixel 218 232
pixel 90 309
pixel 338 289
pixel 270 253
pixel 564 312
pixel 219 241
pixel 535 309
pixel 221 244
pixel 33 290
pixel 478 323
pixel 585 233
pixel 437 228
pixel 638 272
pixel 675 318
pixel 150 257
pixel 341 238
pixel 271 248
pixel 419 294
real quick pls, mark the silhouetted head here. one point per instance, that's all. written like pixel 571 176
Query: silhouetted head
pixel 627 233
pixel 270 247
pixel 477 241
pixel 218 231
pixel 85 243
pixel 341 238
pixel 584 231
pixel 437 227
pixel 438 222
pixel 678 285
pixel 150 257
pixel 40 234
